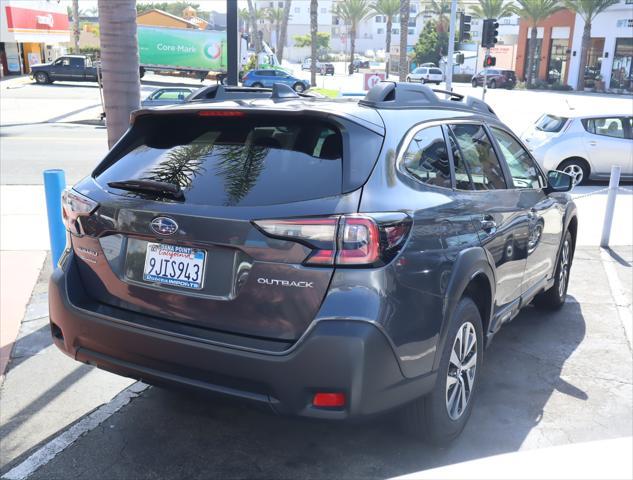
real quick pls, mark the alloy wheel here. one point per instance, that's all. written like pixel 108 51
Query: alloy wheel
pixel 461 371
pixel 563 274
pixel 576 172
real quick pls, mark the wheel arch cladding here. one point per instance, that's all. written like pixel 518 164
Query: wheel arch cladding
pixel 473 276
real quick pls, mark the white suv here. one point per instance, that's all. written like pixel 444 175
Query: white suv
pixel 426 75
pixel 583 146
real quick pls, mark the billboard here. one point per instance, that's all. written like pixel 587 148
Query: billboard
pixel 186 48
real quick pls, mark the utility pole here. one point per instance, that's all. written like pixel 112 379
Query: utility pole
pixel 231 42
pixel 451 47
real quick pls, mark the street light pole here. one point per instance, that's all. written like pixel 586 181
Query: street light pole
pixel 231 42
pixel 451 47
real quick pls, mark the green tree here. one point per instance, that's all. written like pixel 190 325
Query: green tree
pixel 323 40
pixel 534 12
pixel 119 64
pixel 314 25
pixel 175 8
pixel 492 9
pixel 352 12
pixel 588 10
pixel 442 10
pixel 388 9
pixel 403 64
pixel 275 16
pixel 431 44
pixel 254 16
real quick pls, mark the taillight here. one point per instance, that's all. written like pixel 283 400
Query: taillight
pixel 220 113
pixel 344 240
pixel 75 205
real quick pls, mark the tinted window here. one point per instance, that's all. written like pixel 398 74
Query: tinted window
pixel 435 71
pixel 550 123
pixel 171 95
pixel 76 62
pixel 427 159
pixel 235 161
pixel 608 127
pixel 522 169
pixel 477 162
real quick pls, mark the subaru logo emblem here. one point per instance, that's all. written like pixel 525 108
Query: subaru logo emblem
pixel 164 226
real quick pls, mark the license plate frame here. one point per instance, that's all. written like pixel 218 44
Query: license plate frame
pixel 167 254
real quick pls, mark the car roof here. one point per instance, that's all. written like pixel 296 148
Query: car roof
pixel 585 114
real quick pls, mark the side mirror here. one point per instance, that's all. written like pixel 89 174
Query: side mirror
pixel 558 181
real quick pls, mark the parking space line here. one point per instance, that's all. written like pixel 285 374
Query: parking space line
pixel 58 444
pixel 622 304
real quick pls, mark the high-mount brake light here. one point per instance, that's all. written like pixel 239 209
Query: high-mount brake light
pixel 221 113
pixel 343 240
pixel 75 205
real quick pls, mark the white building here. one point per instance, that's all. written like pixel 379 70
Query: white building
pixel 611 51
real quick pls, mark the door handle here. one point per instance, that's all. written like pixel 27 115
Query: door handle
pixel 593 144
pixel 488 224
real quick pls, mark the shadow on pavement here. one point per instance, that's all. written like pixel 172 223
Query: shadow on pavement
pixel 167 434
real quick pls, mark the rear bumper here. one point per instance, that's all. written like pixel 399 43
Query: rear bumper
pixel 352 357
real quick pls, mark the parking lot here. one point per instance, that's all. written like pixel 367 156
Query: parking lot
pixel 549 379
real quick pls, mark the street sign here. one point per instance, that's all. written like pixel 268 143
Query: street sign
pixel 371 79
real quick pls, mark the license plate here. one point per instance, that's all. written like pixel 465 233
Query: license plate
pixel 174 265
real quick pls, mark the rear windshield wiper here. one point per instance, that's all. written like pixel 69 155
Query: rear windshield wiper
pixel 150 186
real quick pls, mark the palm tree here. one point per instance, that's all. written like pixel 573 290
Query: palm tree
pixel 314 25
pixel 441 9
pixel 119 64
pixel 283 35
pixel 535 11
pixel 76 25
pixel 388 9
pixel 253 17
pixel 492 9
pixel 352 12
pixel 275 17
pixel 403 67
pixel 244 17
pixel 588 10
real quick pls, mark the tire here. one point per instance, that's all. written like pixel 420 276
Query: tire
pixel 473 83
pixel 408 79
pixel 42 78
pixel 437 83
pixel 141 72
pixel 577 168
pixel 554 297
pixel 299 87
pixel 492 84
pixel 428 417
pixel 257 85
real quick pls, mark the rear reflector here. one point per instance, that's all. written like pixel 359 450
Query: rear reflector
pixel 220 113
pixel 329 400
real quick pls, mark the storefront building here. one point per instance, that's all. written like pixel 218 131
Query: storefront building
pixel 611 53
pixel 31 32
pixel 553 48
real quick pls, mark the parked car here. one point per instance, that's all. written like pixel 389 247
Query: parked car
pixel 584 146
pixel 75 68
pixel 426 75
pixel 266 78
pixel 358 63
pixel 326 69
pixel 307 64
pixel 328 259
pixel 495 78
pixel 167 96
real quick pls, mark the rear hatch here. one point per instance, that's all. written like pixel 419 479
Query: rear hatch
pixel 510 75
pixel 195 255
pixel 545 128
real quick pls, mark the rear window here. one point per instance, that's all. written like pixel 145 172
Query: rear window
pixel 234 161
pixel 435 71
pixel 551 123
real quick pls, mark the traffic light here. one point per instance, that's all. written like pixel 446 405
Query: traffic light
pixel 489 33
pixel 490 61
pixel 459 59
pixel 464 28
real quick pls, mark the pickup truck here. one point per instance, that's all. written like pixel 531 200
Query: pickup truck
pixel 74 68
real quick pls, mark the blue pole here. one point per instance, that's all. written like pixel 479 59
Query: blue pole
pixel 54 185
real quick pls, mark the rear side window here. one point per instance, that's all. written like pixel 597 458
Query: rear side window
pixel 551 123
pixel 426 158
pixel 435 71
pixel 608 127
pixel 234 161
pixel 476 164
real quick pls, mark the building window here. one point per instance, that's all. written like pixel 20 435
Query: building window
pixel 297 9
pixel 537 58
pixel 395 31
pixel 379 19
pixel 380 31
pixel 622 72
pixel 411 31
pixel 557 65
pixel 594 61
pixel 323 10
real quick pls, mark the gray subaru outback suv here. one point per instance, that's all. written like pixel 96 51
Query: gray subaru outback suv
pixel 327 259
